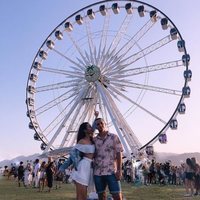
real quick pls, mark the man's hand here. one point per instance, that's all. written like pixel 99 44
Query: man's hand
pixel 118 174
pixel 96 113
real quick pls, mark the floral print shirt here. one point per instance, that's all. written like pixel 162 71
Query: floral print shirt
pixel 105 154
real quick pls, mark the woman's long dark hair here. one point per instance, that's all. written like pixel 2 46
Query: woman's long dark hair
pixel 190 163
pixel 81 131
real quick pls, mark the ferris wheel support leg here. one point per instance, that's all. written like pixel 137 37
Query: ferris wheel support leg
pixel 63 123
pixel 127 151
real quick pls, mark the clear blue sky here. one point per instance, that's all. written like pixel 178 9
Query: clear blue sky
pixel 25 24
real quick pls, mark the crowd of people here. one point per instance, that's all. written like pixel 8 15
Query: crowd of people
pixel 150 172
pixel 95 165
pixel 38 174
pixel 41 174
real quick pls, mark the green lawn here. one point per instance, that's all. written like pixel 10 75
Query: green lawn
pixel 10 191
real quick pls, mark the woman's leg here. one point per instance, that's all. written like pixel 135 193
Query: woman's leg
pixel 81 191
pixel 192 187
pixel 186 186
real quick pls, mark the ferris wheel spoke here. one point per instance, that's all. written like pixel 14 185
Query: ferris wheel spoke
pixel 146 69
pixel 71 127
pixel 148 50
pixel 88 56
pixel 78 74
pixel 124 127
pixel 108 61
pixel 80 61
pixel 121 53
pixel 78 118
pixel 131 43
pixel 103 40
pixel 110 55
pixel 102 107
pixel 98 102
pixel 86 113
pixel 62 125
pixel 78 49
pixel 146 87
pixel 66 84
pixel 97 59
pixel 103 59
pixel 133 102
pixel 54 123
pixel 49 105
pixel 92 103
pixel 89 38
pixel 120 33
pixel 69 59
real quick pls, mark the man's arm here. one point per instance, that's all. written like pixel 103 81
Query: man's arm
pixel 96 114
pixel 119 165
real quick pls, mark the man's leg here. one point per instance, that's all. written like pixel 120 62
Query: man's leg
pixel 102 196
pixel 117 196
pixel 114 186
pixel 100 186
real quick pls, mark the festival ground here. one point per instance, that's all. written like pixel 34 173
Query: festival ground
pixel 9 190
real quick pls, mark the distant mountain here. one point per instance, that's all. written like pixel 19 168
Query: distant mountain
pixel 176 159
pixel 16 160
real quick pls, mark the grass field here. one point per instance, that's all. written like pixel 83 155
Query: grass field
pixel 9 190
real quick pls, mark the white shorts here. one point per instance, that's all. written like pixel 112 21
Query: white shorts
pixel 84 173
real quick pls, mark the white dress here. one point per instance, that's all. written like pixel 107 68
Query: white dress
pixel 84 173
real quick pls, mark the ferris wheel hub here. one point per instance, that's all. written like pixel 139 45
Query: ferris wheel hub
pixel 92 73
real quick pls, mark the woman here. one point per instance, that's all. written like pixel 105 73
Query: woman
pixel 83 173
pixel 50 170
pixel 28 175
pixel 42 176
pixel 189 177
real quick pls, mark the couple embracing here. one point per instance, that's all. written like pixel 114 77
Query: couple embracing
pixel 101 161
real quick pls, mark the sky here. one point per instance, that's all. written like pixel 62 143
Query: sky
pixel 25 24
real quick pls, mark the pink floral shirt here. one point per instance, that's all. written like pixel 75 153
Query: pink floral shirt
pixel 105 154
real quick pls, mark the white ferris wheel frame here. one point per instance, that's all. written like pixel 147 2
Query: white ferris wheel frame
pixel 98 75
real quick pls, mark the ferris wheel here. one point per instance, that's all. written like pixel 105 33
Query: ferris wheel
pixel 125 59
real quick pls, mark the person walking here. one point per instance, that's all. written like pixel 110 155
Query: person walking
pixel 20 174
pixel 107 161
pixel 50 170
pixel 36 173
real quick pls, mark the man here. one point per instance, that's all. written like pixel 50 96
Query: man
pixel 20 171
pixel 107 162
